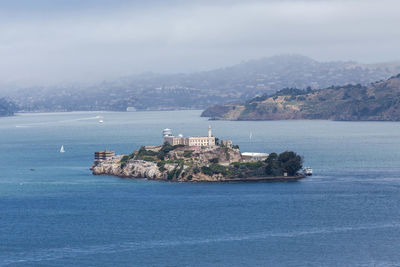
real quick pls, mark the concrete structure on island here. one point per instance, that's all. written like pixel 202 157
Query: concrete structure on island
pixel 104 155
pixel 201 141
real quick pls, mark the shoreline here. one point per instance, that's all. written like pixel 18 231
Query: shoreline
pixel 253 179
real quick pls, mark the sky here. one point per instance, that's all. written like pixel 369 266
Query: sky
pixel 65 41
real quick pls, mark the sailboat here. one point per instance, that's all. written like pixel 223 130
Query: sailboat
pixel 62 149
pixel 251 136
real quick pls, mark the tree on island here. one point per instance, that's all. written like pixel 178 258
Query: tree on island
pixel 290 162
pixel 287 161
pixel 273 166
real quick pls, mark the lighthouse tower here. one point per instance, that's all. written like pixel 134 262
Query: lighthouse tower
pixel 209 136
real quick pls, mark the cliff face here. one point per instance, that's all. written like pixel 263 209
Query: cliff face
pixel 134 168
pixel 378 101
pixel 148 170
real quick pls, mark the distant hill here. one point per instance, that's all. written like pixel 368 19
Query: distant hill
pixel 203 89
pixel 378 101
pixel 7 108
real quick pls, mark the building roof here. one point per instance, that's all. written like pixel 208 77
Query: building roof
pixel 255 154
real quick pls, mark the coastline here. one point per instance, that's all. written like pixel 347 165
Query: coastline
pixel 253 179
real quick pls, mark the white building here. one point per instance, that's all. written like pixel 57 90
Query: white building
pixel 189 141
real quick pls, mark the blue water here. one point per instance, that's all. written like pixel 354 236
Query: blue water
pixel 347 214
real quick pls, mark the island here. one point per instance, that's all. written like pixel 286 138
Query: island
pixel 199 159
pixel 379 101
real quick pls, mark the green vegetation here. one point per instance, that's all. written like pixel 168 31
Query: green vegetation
pixel 290 162
pixel 275 165
pixel 165 149
pixel 228 156
pixel 188 153
pixel 215 169
pixel 124 159
pixel 161 168
pixel 176 172
pixel 143 152
pixel 214 160
pixel 171 174
pixel 127 157
pixel 147 158
pixel 248 165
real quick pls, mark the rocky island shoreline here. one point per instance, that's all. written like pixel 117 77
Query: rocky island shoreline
pixel 213 162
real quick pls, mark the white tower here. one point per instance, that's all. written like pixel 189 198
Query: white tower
pixel 209 131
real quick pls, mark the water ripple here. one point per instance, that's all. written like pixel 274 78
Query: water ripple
pixel 71 252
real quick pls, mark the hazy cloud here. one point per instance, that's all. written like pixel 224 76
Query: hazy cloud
pixel 55 41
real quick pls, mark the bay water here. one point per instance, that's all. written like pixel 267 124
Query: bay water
pixel 54 212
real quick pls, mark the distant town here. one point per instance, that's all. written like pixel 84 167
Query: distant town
pixel 199 90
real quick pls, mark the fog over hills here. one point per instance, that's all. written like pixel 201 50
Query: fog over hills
pixel 151 91
pixel 48 42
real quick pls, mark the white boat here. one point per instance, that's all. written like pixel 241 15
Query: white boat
pixel 101 121
pixel 62 149
pixel 251 136
pixel 307 171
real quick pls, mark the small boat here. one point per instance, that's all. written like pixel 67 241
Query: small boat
pixel 307 171
pixel 62 149
pixel 101 121
pixel 251 136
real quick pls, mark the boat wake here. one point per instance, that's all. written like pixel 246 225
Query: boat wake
pixel 26 125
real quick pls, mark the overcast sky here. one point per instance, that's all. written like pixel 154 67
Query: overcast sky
pixel 52 41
